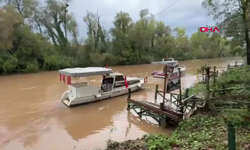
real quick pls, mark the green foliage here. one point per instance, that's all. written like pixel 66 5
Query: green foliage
pixel 237 75
pixel 238 117
pixel 10 64
pixel 54 62
pixel 40 42
pixel 199 132
pixel 31 67
pixel 130 144
pixel 232 19
pixel 157 142
pixel 198 89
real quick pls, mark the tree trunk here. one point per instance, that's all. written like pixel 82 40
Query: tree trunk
pixel 246 36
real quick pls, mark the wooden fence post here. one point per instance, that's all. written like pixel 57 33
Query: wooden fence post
pixel 180 93
pixel 213 94
pixel 156 91
pixel 129 96
pixel 129 93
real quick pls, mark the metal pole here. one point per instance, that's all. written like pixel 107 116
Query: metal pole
pixel 129 96
pixel 214 79
pixel 180 98
pixel 231 136
pixel 156 91
pixel 129 93
pixel 164 90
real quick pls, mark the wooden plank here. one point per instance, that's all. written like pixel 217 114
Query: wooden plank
pixel 189 98
pixel 168 113
pixel 154 109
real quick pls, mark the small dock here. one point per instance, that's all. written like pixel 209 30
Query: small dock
pixel 236 64
pixel 153 110
pixel 171 110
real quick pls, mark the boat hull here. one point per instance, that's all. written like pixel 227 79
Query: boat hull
pixel 101 96
pixel 160 74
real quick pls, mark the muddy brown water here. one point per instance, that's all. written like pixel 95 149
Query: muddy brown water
pixel 32 116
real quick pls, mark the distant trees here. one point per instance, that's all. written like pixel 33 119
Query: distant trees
pixel 33 38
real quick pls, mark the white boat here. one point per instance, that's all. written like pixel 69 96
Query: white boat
pixel 165 61
pixel 113 84
pixel 171 62
pixel 172 75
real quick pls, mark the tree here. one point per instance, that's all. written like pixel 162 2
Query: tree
pixel 34 37
pixel 230 11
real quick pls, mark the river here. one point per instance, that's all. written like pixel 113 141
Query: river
pixel 32 117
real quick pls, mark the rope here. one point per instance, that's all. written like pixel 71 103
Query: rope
pixel 33 123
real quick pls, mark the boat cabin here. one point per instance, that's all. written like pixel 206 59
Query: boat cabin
pixel 171 66
pixel 114 81
pixel 168 59
pixel 110 80
pixel 79 88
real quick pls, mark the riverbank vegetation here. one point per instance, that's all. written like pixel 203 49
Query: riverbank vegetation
pixel 37 36
pixel 207 130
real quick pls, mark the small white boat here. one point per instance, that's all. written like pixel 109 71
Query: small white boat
pixel 172 75
pixel 168 61
pixel 165 61
pixel 113 84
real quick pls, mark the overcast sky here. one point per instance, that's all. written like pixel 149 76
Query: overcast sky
pixel 184 13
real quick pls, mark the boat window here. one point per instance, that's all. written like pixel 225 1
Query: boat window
pixel 108 80
pixel 107 84
pixel 119 78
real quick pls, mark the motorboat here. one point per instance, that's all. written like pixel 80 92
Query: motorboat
pixel 113 84
pixel 171 62
pixel 172 74
pixel 165 61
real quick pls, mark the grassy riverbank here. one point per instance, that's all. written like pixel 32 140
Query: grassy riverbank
pixel 206 130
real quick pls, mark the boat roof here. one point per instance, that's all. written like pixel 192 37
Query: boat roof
pixel 84 72
pixel 169 63
pixel 171 59
pixel 166 61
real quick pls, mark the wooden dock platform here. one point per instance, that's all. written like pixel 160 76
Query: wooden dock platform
pixel 171 110
pixel 236 64
pixel 154 108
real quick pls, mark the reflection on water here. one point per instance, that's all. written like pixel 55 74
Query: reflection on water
pixel 26 101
